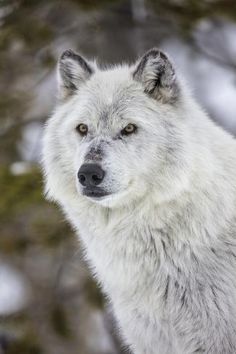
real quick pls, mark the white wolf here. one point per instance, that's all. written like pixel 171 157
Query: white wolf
pixel 148 181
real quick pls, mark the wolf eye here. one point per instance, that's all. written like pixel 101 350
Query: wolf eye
pixel 82 129
pixel 129 129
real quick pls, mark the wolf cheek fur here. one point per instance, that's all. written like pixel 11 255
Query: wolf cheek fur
pixel 162 239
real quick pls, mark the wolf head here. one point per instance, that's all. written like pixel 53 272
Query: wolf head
pixel 117 134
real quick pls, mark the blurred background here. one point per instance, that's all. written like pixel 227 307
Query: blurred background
pixel 49 303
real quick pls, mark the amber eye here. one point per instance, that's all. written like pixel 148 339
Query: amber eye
pixel 129 129
pixel 82 129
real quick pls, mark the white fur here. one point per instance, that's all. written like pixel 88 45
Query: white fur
pixel 162 244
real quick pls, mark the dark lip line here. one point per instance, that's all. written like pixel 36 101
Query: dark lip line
pixel 96 197
pixel 95 194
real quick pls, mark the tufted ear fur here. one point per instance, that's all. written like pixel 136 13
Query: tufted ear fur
pixel 157 75
pixel 73 70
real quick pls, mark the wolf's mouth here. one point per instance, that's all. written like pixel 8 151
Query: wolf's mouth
pixel 94 192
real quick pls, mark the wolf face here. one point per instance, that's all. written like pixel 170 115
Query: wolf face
pixel 117 134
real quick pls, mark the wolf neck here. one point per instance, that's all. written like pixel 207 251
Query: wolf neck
pixel 191 205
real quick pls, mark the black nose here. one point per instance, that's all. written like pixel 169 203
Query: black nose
pixel 90 175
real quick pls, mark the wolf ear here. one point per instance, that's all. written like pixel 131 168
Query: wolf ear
pixel 72 71
pixel 156 73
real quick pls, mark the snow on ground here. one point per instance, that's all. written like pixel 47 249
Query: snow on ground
pixel 14 290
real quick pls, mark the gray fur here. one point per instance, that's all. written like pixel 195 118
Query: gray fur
pixel 95 154
pixel 157 75
pixel 162 242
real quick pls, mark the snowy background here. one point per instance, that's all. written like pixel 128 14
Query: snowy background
pixel 49 303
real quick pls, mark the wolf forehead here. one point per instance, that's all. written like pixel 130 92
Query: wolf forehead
pixel 110 93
